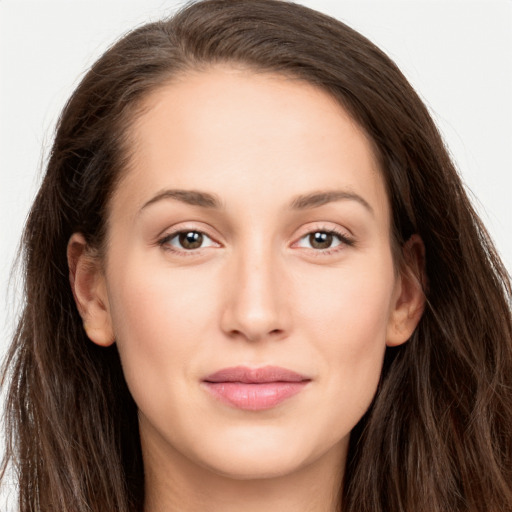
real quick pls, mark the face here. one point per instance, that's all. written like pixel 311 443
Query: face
pixel 248 279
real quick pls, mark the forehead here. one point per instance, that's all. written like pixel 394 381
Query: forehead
pixel 237 132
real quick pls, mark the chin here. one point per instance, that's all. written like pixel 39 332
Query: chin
pixel 250 467
pixel 262 455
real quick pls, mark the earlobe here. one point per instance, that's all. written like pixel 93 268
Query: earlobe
pixel 409 301
pixel 89 290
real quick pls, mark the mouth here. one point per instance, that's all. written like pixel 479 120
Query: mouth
pixel 255 389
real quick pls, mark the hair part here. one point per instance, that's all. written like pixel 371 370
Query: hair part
pixel 437 436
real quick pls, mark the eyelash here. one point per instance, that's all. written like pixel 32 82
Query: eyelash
pixel 344 239
pixel 164 242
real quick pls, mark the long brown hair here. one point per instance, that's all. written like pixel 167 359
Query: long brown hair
pixel 438 435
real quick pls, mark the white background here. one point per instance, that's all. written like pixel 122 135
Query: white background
pixel 457 54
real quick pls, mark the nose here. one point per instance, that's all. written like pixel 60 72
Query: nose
pixel 256 307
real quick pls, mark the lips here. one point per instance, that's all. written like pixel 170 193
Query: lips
pixel 254 389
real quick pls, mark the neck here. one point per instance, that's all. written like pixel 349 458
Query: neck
pixel 173 483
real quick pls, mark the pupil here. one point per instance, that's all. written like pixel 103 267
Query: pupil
pixel 320 240
pixel 191 240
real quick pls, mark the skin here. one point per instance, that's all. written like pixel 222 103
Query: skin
pixel 258 291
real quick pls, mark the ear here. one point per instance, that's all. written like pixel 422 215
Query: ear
pixel 409 298
pixel 89 290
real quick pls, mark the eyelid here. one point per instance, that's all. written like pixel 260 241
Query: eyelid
pixel 344 236
pixel 187 231
pixel 170 233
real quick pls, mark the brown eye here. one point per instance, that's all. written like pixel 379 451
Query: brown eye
pixel 320 240
pixel 186 241
pixel 190 239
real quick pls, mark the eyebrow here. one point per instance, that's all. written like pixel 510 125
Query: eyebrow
pixel 192 197
pixel 316 199
pixel 302 202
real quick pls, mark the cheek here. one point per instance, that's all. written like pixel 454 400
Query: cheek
pixel 157 302
pixel 160 316
pixel 345 312
pixel 351 305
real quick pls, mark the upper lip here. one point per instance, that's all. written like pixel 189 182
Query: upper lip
pixel 260 375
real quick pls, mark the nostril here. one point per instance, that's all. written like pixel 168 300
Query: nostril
pixel 255 336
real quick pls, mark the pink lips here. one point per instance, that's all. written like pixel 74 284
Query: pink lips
pixel 254 389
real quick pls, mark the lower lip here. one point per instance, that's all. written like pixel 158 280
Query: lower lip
pixel 254 397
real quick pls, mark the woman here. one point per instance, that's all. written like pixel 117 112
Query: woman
pixel 247 285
